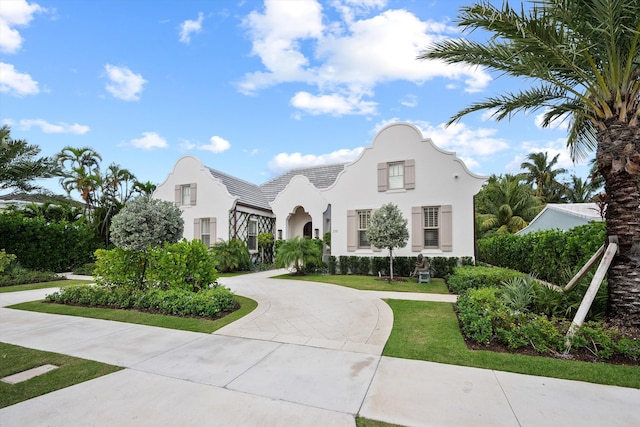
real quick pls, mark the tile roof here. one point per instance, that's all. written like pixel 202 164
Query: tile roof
pixel 246 192
pixel 260 195
pixel 320 176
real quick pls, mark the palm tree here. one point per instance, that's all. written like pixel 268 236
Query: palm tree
pixel 19 165
pixel 505 205
pixel 541 172
pixel 578 190
pixel 582 58
pixel 82 174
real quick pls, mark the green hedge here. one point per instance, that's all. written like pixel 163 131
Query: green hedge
pixel 468 277
pixel 402 265
pixel 38 245
pixel 209 303
pixel 551 255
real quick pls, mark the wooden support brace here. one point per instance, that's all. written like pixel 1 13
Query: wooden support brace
pixel 590 295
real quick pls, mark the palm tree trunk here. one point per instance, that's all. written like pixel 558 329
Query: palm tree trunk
pixel 618 157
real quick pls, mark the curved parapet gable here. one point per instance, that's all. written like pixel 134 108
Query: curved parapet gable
pixel 395 142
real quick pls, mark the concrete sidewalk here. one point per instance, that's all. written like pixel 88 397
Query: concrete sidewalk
pixel 185 378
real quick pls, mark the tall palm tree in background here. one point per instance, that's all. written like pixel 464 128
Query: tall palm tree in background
pixel 19 164
pixel 541 172
pixel 505 204
pixel 80 171
pixel 578 190
pixel 583 59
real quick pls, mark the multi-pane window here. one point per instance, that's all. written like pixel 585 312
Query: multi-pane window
pixel 205 231
pixel 185 195
pixel 396 175
pixel 431 227
pixel 363 225
pixel 252 235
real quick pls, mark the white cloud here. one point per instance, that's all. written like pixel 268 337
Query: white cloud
pixel 349 56
pixel 189 27
pixel 551 147
pixel 334 104
pixel 409 101
pixel 59 127
pixel 123 83
pixel 15 13
pixel 286 161
pixel 149 141
pixel 216 145
pixel 15 83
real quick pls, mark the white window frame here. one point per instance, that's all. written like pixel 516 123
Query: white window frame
pixel 185 195
pixel 395 175
pixel 363 218
pixel 252 235
pixel 430 223
pixel 205 231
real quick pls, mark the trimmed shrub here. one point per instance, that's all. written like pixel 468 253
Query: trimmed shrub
pixel 186 265
pixel 443 266
pixel 332 264
pixel 343 264
pixel 210 303
pixel 467 277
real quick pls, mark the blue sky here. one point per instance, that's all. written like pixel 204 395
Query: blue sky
pixel 253 88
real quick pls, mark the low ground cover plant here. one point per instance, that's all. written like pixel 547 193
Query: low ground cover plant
pixel 12 273
pixel 521 313
pixel 210 303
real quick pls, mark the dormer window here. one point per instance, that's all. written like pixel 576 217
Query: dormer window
pixel 397 175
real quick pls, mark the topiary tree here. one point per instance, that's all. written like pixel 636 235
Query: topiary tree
pixel 388 229
pixel 146 222
pixel 298 252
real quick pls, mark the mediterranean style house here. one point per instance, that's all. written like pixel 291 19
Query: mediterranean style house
pixel 433 189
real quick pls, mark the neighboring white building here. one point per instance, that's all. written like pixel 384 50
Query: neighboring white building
pixel 563 216
pixel 433 189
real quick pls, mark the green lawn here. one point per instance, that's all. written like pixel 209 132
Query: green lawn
pixel 206 326
pixel 430 331
pixel 371 283
pixel 71 370
pixel 43 285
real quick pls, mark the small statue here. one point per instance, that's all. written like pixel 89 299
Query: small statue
pixel 422 265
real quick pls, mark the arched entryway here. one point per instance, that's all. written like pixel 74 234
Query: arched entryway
pixel 299 223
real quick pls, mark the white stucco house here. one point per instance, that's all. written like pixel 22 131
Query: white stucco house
pixel 433 189
pixel 563 216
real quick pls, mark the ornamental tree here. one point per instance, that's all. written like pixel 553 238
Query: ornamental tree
pixel 388 229
pixel 146 222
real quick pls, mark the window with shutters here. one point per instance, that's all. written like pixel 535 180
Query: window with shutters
pixel 396 175
pixel 205 231
pixel 185 195
pixel 363 224
pixel 431 226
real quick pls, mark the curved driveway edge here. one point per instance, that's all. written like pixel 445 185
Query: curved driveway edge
pixel 310 313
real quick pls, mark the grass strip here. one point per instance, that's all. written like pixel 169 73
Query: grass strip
pixel 370 283
pixel 43 285
pixel 192 324
pixel 72 370
pixel 430 331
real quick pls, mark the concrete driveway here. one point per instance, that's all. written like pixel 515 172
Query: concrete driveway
pixel 309 355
